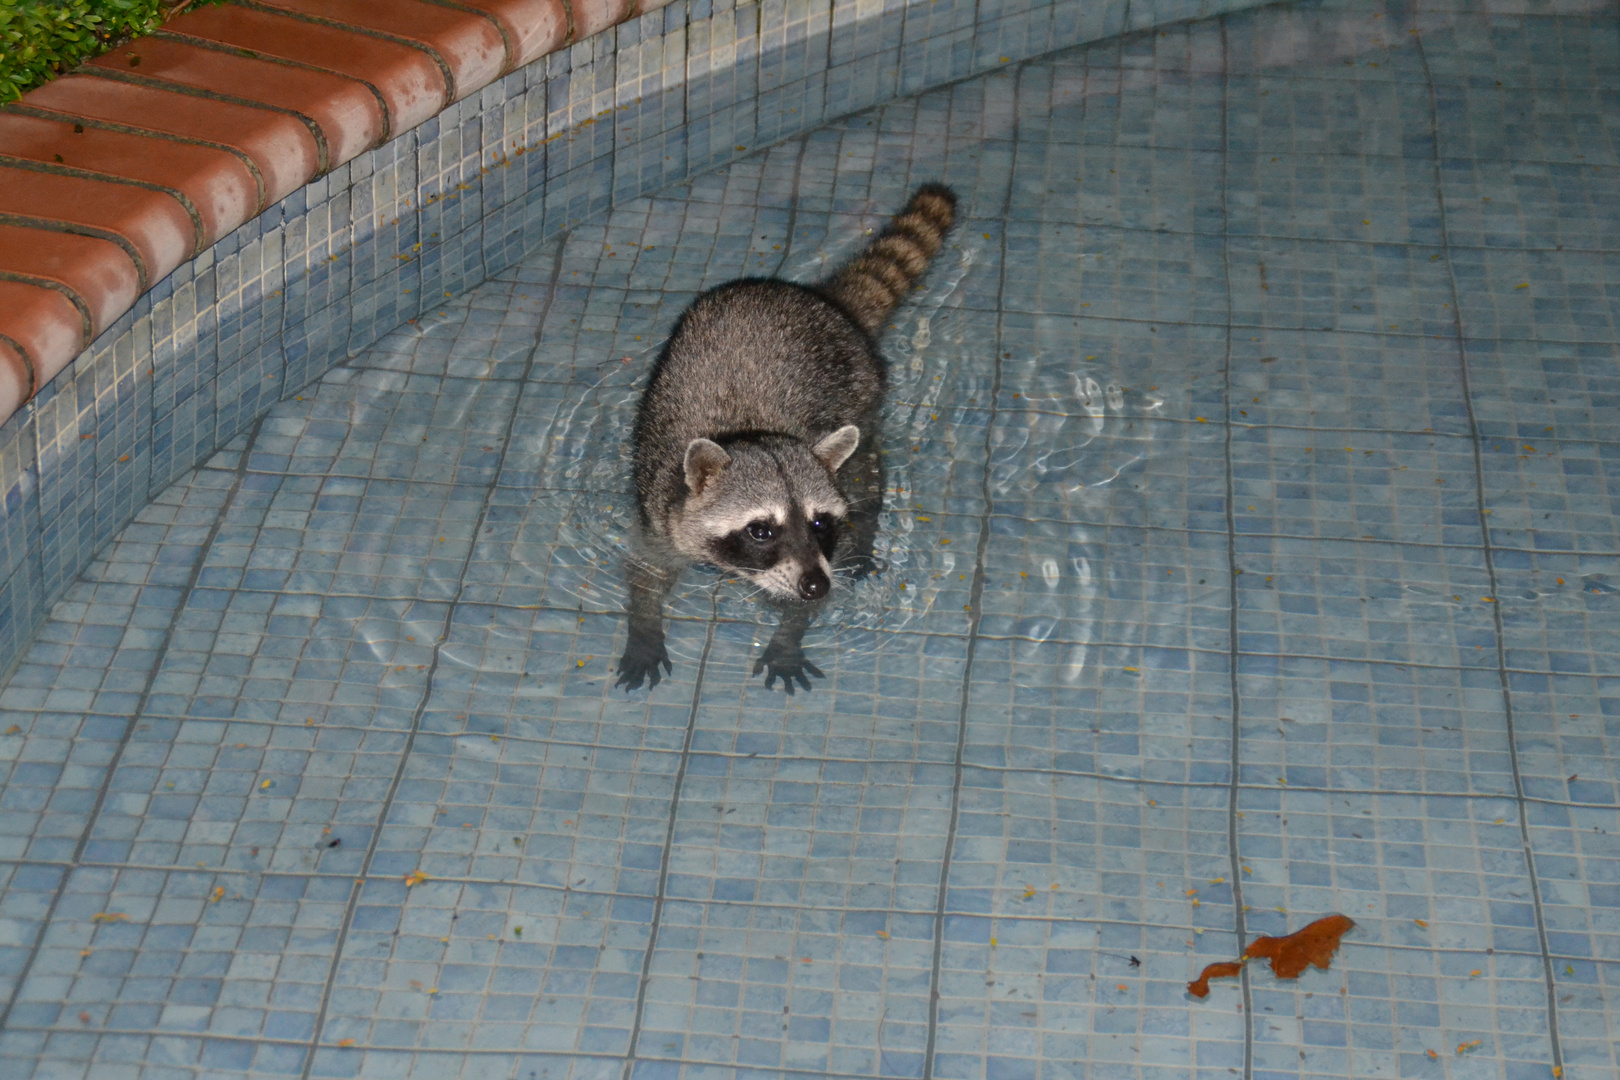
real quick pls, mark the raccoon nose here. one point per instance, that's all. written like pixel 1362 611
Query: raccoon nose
pixel 813 585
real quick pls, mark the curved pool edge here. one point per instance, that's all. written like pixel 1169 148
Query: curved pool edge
pixel 325 272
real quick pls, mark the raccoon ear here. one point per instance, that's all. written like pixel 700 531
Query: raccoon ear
pixel 704 458
pixel 834 449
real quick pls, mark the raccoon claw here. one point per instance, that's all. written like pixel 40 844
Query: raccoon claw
pixel 641 661
pixel 789 665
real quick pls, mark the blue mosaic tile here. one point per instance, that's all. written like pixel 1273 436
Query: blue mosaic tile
pixel 1532 482
pixel 1117 712
pixel 770 988
pixel 1352 600
pixel 1576 858
pixel 1417 489
pixel 1586 994
pixel 1563 728
pixel 443 965
pixel 24 906
pixel 1530 390
pixel 1340 725
pixel 1025 991
pixel 153 951
pixel 1409 1008
pixel 242 654
pixel 1426 872
pixel 1538 295
pixel 1325 380
pixel 315 756
pixel 1559 613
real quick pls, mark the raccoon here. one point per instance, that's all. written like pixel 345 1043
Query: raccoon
pixel 756 442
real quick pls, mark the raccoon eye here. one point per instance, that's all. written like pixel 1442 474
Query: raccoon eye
pixel 818 524
pixel 761 531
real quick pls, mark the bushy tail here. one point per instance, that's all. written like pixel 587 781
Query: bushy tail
pixel 873 283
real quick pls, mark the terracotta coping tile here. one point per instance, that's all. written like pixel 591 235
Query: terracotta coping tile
pixel 406 80
pixel 344 110
pixel 532 28
pixel 470 47
pixel 644 6
pixel 16 377
pixel 594 16
pixel 114 174
pixel 97 275
pixel 156 226
pixel 279 146
pixel 225 190
pixel 45 326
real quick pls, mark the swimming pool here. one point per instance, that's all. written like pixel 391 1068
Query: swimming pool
pixel 1250 558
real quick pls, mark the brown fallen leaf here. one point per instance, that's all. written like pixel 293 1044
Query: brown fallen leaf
pixel 1226 969
pixel 1313 944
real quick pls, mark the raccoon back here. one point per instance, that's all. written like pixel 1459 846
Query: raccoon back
pixel 873 283
pixel 757 355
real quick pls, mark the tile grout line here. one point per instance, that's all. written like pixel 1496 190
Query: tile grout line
pixel 660 895
pixel 661 892
pixel 1503 679
pixel 879 633
pixel 1010 770
pixel 1173 530
pixel 975 603
pixel 902 629
pixel 1234 789
pixel 102 791
pixel 34 561
pixel 363 876
pixel 1145 421
pixel 793 207
pixel 802 907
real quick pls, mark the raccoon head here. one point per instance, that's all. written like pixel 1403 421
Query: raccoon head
pixel 766 507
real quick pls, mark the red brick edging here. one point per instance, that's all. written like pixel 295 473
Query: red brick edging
pixel 116 173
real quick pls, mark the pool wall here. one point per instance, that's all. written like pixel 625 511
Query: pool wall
pixel 326 271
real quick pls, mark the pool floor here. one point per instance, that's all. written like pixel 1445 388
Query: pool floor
pixel 1250 556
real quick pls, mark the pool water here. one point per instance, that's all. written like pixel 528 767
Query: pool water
pixel 1250 556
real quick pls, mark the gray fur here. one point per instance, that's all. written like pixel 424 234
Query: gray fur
pixel 749 357
pixel 765 396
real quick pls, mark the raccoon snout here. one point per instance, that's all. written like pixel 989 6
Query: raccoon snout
pixel 814 584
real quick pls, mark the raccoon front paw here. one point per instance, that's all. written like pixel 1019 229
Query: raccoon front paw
pixel 641 660
pixel 786 662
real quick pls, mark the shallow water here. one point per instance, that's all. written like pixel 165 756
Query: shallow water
pixel 1250 557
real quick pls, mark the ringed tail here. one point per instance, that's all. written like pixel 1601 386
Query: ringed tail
pixel 872 284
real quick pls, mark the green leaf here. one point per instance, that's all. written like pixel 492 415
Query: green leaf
pixel 40 39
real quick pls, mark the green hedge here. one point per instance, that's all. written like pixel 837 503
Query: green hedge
pixel 39 39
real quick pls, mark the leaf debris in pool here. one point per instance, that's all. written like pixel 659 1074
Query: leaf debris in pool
pixel 1312 944
pixel 1290 956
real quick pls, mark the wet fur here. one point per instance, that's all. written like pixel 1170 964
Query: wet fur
pixel 738 428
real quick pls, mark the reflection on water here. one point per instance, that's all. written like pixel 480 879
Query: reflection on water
pixel 1382 681
pixel 1061 444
